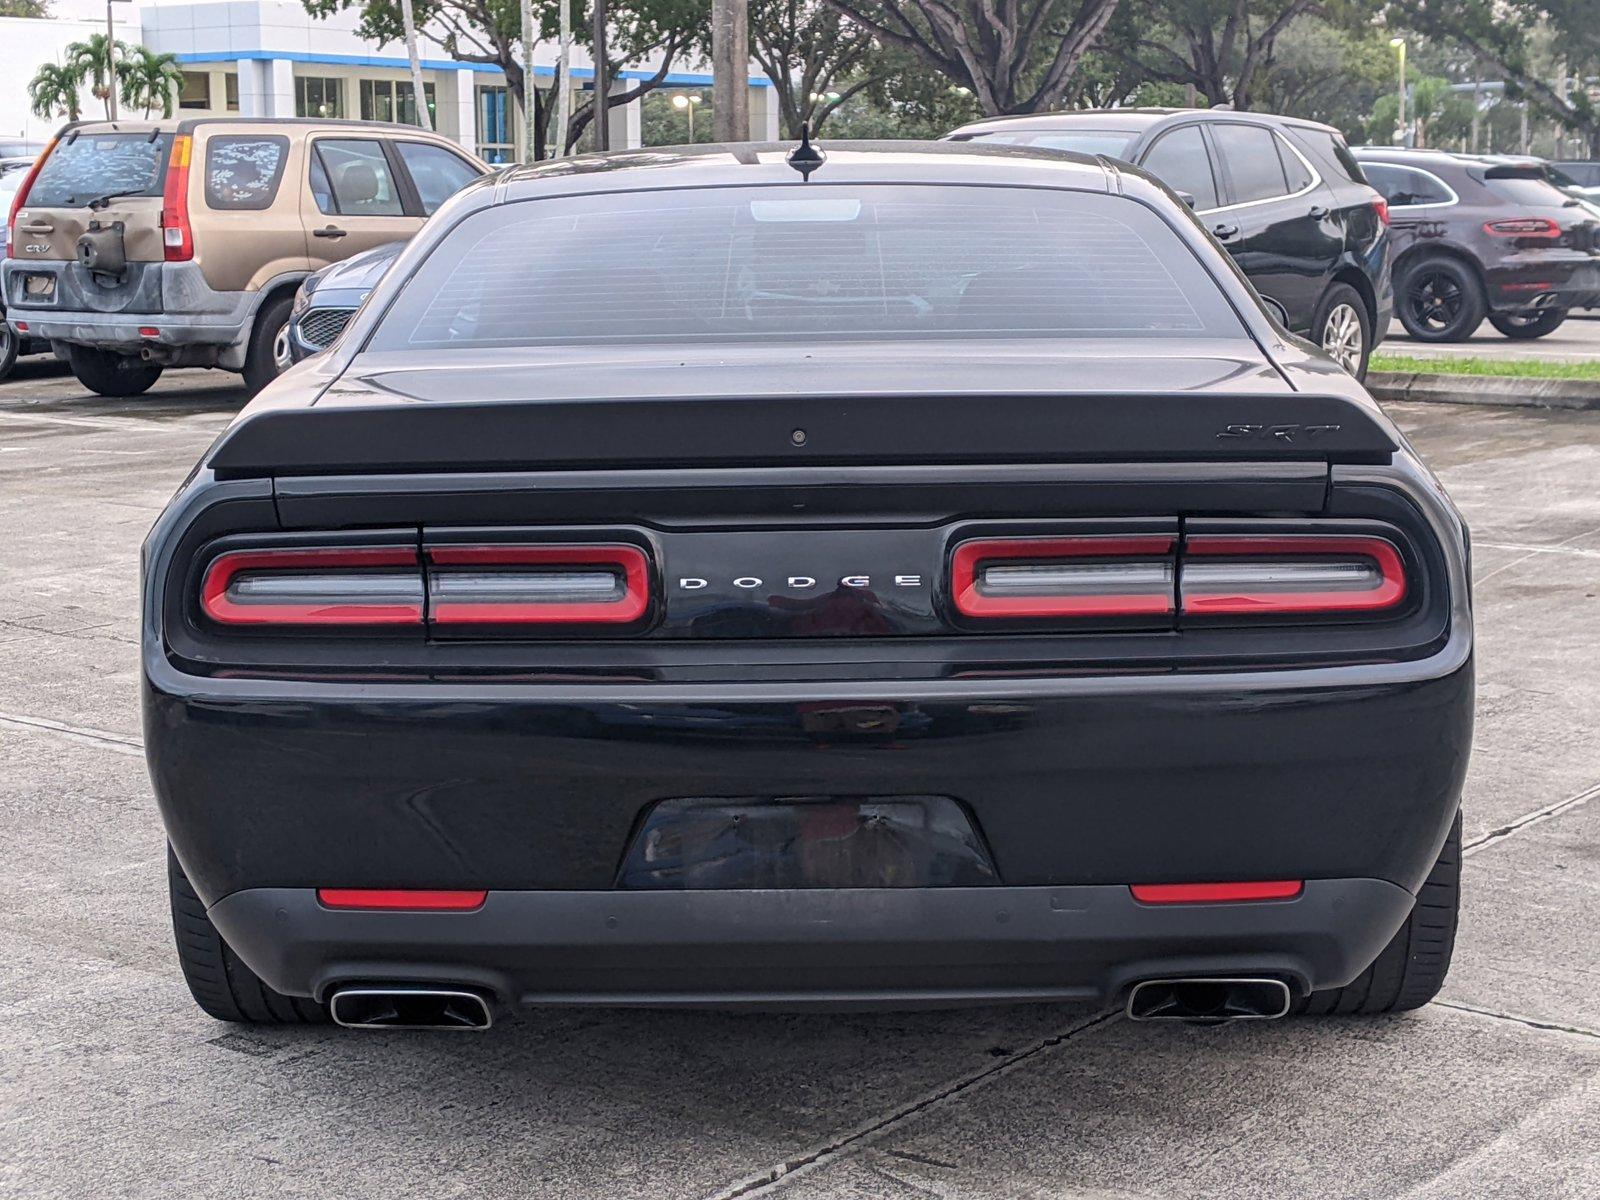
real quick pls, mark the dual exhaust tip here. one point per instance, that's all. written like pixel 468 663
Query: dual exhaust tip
pixel 410 1008
pixel 1200 999
pixel 1208 999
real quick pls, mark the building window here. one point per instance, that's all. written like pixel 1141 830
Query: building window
pixel 316 96
pixel 230 88
pixel 497 142
pixel 196 90
pixel 393 100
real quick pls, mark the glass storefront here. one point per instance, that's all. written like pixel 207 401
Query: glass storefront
pixel 496 137
pixel 394 100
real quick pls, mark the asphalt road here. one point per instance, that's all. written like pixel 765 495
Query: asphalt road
pixel 113 1084
pixel 1575 339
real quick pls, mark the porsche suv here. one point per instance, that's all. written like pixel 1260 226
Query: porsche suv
pixel 883 573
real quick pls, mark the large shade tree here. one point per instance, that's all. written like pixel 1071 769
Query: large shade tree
pixel 816 59
pixel 1015 56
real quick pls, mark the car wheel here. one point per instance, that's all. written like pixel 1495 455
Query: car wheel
pixel 10 343
pixel 268 355
pixel 1412 967
pixel 1528 325
pixel 1343 329
pixel 111 374
pixel 218 979
pixel 1441 300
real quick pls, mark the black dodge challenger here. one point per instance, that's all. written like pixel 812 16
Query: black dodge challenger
pixel 873 573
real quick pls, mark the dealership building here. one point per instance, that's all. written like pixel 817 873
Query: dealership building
pixel 272 58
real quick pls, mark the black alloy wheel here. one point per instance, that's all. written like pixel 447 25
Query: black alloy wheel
pixel 1441 301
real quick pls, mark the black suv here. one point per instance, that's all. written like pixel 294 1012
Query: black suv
pixel 1477 237
pixel 1284 197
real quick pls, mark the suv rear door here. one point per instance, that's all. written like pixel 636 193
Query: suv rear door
pixel 245 208
pixel 1280 220
pixel 354 198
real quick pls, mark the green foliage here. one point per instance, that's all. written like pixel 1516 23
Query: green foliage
pixel 53 92
pixel 150 81
pixel 1524 368
pixel 24 8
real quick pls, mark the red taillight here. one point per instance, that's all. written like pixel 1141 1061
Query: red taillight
pixel 1268 573
pixel 332 585
pixel 177 235
pixel 1216 893
pixel 1091 576
pixel 402 899
pixel 21 198
pixel 1381 207
pixel 554 584
pixel 1528 227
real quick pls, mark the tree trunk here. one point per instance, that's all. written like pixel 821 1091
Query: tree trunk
pixel 418 89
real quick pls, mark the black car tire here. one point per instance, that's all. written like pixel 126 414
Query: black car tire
pixel 1441 300
pixel 111 374
pixel 1341 314
pixel 10 344
pixel 1412 967
pixel 1527 326
pixel 218 979
pixel 267 357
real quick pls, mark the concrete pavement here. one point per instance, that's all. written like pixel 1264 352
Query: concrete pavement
pixel 1577 339
pixel 113 1084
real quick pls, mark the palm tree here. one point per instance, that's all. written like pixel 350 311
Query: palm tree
pixel 54 92
pixel 150 80
pixel 92 60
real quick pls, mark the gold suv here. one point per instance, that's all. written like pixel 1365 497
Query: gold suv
pixel 138 245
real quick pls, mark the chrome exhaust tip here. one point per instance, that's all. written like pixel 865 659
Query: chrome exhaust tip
pixel 409 1008
pixel 1204 999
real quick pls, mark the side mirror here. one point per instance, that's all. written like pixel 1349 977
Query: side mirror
pixel 1187 198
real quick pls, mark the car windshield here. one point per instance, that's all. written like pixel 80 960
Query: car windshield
pixel 1113 143
pixel 822 262
pixel 90 165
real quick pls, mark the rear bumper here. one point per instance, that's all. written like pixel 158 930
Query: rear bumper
pixel 901 946
pixel 1558 279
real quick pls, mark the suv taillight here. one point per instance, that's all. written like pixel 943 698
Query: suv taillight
pixel 177 235
pixel 21 198
pixel 1523 227
pixel 1381 207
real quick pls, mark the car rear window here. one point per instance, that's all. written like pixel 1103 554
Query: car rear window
pixel 243 171
pixel 1527 189
pixel 1113 143
pixel 87 166
pixel 822 262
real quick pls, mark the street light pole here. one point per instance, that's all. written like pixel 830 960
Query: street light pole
pixel 730 70
pixel 564 75
pixel 602 116
pixel 1400 46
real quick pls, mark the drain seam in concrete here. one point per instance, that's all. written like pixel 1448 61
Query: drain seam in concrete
pixel 1537 816
pixel 118 742
pixel 761 1184
pixel 1529 1022
pixel 1532 550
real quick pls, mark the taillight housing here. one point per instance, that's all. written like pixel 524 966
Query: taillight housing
pixel 21 198
pixel 177 234
pixel 1087 576
pixel 314 585
pixel 1523 227
pixel 1286 574
pixel 552 584
pixel 1381 207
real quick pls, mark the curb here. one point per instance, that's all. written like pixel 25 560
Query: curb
pixel 1506 390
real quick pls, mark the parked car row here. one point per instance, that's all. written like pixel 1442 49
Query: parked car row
pixel 247 244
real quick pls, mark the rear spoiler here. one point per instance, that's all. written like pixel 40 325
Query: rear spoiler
pixel 389 437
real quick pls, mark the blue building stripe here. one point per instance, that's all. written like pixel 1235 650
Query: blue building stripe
pixel 673 79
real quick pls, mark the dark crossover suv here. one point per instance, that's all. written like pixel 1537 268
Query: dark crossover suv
pixel 876 573
pixel 1282 195
pixel 328 299
pixel 1477 237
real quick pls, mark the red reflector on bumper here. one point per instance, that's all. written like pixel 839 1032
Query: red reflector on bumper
pixel 402 899
pixel 1214 893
